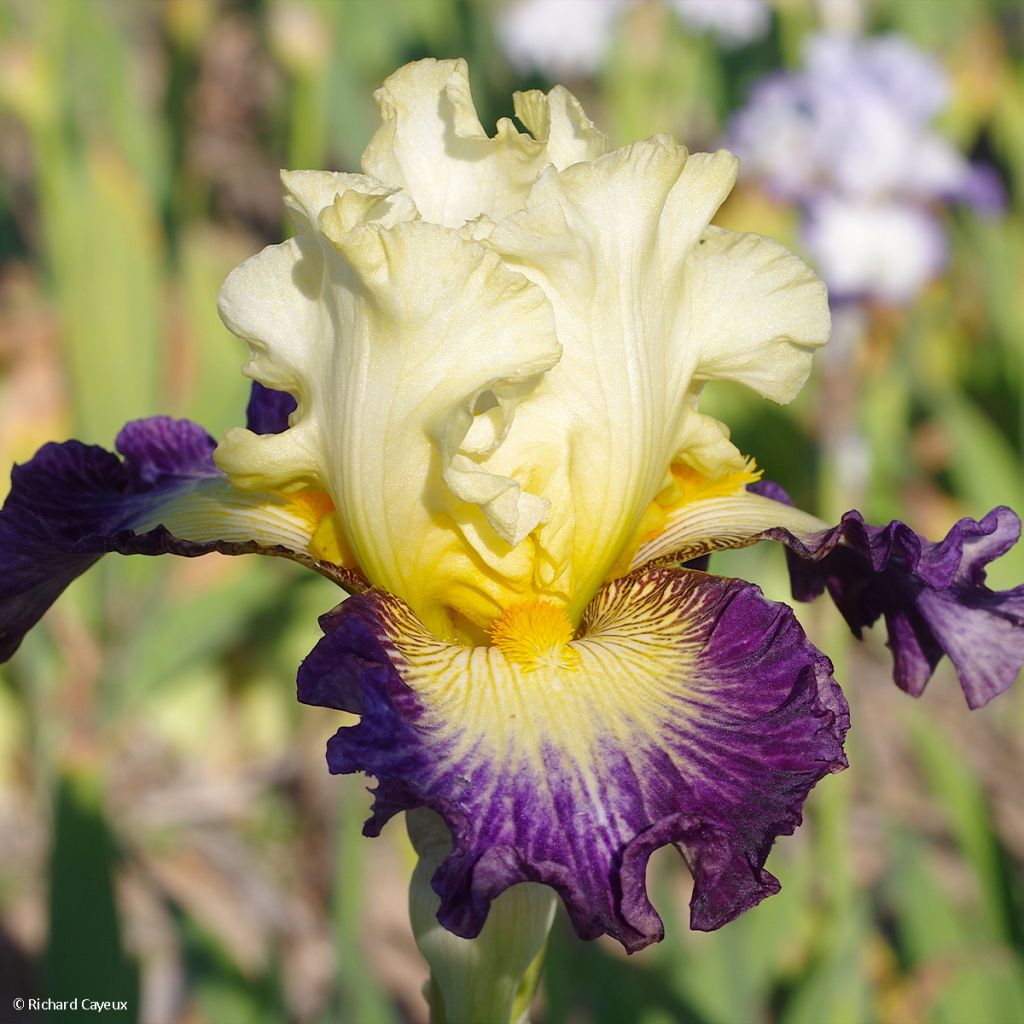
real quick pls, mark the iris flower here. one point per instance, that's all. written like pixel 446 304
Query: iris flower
pixel 873 172
pixel 479 365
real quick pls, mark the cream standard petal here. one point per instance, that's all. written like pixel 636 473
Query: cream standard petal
pixel 448 354
pixel 272 302
pixel 308 193
pixel 558 119
pixel 606 241
pixel 754 311
pixel 649 302
pixel 471 463
pixel 407 348
pixel 431 144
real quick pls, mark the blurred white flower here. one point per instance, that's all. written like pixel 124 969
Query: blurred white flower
pixel 570 38
pixel 300 36
pixel 856 120
pixel 731 22
pixel 883 248
pixel 562 38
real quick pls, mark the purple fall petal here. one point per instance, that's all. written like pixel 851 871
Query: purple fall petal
pixel 73 503
pixel 699 715
pixel 932 595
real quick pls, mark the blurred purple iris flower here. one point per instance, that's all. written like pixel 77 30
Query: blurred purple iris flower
pixel 849 138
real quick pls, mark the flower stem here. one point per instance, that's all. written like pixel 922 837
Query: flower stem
pixel 493 977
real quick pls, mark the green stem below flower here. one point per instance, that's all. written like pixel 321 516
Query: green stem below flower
pixel 493 977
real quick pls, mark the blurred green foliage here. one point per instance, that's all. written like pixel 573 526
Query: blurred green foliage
pixel 157 780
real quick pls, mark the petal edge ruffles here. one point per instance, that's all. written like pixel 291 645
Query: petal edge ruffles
pixel 932 594
pixel 697 714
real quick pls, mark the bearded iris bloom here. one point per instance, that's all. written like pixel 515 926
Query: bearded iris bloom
pixel 478 368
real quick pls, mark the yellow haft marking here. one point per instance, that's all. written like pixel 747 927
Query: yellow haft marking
pixel 687 486
pixel 311 505
pixel 327 542
pixel 535 634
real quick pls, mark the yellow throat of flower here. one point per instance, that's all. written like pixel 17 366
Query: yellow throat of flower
pixel 534 635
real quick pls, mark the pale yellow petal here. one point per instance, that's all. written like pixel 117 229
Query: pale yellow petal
pixel 557 118
pixel 601 239
pixel 704 445
pixel 308 193
pixel 272 303
pixel 497 346
pixel 432 145
pixel 408 349
pixel 755 310
pixel 713 524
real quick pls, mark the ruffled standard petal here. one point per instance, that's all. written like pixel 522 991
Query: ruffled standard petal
pixel 497 344
pixel 755 312
pixel 689 710
pixel 432 145
pixel 73 503
pixel 559 120
pixel 649 301
pixel 408 349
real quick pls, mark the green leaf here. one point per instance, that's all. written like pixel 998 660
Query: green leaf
pixel 969 977
pixel 105 248
pixel 84 955
pixel 170 633
pixel 216 392
pixel 951 780
pixel 985 471
pixel 583 982
pixel 836 987
pixel 222 990
pixel 360 997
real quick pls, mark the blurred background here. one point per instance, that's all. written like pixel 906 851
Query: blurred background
pixel 169 834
